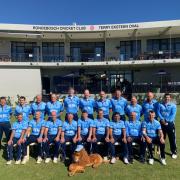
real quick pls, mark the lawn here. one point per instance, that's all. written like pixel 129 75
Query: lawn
pixel 106 171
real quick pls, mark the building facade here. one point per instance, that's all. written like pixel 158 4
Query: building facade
pixel 46 58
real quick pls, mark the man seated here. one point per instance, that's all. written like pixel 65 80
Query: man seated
pixel 52 134
pixel 84 131
pixel 18 130
pixel 152 134
pixel 100 132
pixel 117 133
pixel 34 134
pixel 133 133
pixel 68 135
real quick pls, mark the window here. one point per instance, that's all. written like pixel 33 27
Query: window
pixel 130 49
pixel 53 51
pixel 25 51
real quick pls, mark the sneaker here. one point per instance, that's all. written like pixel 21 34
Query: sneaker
pixel 131 160
pixel 9 162
pixel 151 161
pixel 126 161
pixel 113 160
pixel 39 160
pixel 105 159
pixel 163 162
pixel 174 156
pixel 47 160
pixel 55 160
pixel 142 160
pixel 24 161
pixel 18 162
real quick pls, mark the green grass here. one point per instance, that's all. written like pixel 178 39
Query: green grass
pixel 106 171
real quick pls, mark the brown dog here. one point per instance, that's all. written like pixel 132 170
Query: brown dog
pixel 81 160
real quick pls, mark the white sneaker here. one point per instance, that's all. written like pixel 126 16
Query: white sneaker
pixel 163 162
pixel 24 161
pixel 125 161
pixel 105 158
pixel 174 156
pixel 39 160
pixel 113 160
pixel 9 162
pixel 151 161
pixel 47 160
pixel 55 160
pixel 18 162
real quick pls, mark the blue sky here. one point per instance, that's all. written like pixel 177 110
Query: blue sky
pixel 62 12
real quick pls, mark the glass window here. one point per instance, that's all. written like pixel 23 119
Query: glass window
pixel 53 51
pixel 130 49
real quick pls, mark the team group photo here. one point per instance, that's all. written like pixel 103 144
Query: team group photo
pixel 89 90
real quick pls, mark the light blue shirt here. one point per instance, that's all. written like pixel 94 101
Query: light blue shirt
pixel 117 127
pixel 36 126
pixel 105 105
pixel 53 127
pixel 54 106
pixel 133 128
pixel 69 129
pixel 38 107
pixel 147 106
pixel 71 104
pixel 131 108
pixel 85 124
pixel 18 127
pixel 151 127
pixel 87 105
pixel 167 112
pixel 25 110
pixel 5 113
pixel 101 125
pixel 119 105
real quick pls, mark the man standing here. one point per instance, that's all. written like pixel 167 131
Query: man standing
pixel 149 104
pixel 103 104
pixel 119 104
pixel 134 107
pixel 167 114
pixel 38 105
pixel 71 104
pixel 87 104
pixel 54 105
pixel 23 108
pixel 5 115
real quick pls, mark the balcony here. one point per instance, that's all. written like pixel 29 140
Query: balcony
pixel 88 57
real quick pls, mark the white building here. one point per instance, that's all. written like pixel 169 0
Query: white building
pixel 52 58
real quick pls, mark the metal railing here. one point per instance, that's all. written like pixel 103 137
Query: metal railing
pixel 87 57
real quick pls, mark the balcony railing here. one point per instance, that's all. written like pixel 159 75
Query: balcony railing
pixel 88 57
